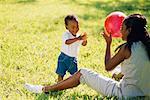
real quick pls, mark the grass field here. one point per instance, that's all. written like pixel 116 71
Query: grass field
pixel 30 41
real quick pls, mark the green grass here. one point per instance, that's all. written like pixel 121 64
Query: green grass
pixel 30 41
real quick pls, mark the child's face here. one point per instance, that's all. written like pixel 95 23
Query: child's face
pixel 73 27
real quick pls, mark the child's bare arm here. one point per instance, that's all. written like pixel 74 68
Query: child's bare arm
pixel 70 41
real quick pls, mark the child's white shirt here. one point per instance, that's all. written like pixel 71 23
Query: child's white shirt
pixel 71 49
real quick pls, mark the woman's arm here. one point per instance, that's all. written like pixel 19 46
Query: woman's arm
pixel 121 55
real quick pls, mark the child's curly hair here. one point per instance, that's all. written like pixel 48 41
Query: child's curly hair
pixel 69 18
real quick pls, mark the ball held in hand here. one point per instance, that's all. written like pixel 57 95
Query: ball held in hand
pixel 113 23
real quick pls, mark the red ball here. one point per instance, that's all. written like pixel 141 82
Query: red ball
pixel 113 23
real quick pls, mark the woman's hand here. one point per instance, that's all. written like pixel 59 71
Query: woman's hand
pixel 108 40
pixel 107 37
pixel 118 76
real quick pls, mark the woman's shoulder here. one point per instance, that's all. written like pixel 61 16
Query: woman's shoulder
pixel 136 46
pixel 125 50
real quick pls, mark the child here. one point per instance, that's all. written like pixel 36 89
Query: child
pixel 67 60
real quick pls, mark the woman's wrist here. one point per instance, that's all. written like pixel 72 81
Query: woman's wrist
pixel 108 44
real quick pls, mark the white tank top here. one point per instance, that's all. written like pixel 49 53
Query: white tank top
pixel 136 68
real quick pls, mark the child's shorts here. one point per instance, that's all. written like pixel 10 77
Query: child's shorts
pixel 66 63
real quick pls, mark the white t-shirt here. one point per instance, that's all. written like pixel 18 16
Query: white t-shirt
pixel 71 49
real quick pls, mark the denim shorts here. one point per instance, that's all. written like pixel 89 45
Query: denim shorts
pixel 66 63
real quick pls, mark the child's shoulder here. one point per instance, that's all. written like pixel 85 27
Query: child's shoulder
pixel 66 32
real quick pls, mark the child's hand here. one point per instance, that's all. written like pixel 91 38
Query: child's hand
pixel 84 36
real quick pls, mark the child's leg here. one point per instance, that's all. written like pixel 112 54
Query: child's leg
pixel 73 67
pixel 61 67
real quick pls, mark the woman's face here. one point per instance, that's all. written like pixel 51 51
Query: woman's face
pixel 73 26
pixel 124 32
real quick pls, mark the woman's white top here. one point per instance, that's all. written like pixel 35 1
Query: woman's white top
pixel 136 69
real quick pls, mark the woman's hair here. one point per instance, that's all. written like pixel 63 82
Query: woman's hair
pixel 138 32
pixel 69 18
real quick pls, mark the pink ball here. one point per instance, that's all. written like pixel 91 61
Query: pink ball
pixel 113 23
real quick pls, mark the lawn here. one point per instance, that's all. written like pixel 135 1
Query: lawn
pixel 30 41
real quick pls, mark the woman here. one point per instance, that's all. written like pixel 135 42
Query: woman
pixel 134 56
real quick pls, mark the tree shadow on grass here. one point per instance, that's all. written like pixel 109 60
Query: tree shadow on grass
pixel 84 97
pixel 103 8
pixel 25 1
pixel 60 95
pixel 119 5
pixel 49 95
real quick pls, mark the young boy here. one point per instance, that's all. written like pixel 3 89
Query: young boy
pixel 67 60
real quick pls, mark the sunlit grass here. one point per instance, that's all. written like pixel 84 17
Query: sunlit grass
pixel 30 41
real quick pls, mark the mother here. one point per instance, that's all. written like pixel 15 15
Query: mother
pixel 134 56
